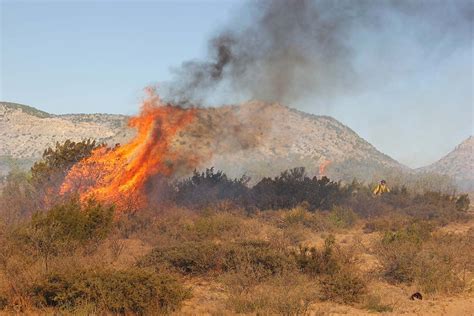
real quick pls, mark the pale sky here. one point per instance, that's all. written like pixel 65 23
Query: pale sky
pixel 415 104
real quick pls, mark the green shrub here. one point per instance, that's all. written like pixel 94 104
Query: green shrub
pixel 215 225
pixel 64 228
pixel 342 217
pixel 130 291
pixel 300 215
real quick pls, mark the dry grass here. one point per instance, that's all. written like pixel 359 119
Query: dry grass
pixel 264 262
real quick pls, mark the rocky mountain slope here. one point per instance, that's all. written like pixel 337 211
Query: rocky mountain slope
pixel 262 139
pixel 459 164
pixel 255 138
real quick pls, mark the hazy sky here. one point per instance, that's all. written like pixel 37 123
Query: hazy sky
pixel 414 104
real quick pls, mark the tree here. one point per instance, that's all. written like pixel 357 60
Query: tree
pixel 57 162
pixel 48 174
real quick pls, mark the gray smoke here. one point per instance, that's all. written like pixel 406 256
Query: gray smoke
pixel 284 50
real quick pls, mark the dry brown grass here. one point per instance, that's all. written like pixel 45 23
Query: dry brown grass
pixel 265 262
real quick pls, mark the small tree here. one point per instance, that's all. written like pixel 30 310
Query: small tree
pixel 48 174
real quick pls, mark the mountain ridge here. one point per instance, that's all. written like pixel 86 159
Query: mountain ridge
pixel 254 138
pixel 458 164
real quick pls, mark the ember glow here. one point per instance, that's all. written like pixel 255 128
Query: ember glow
pixel 119 175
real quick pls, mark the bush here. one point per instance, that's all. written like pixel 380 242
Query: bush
pixel 283 295
pixel 344 286
pixel 65 227
pixel 129 291
pixel 435 263
pixel 314 262
pixel 258 259
pixel 299 215
pixel 188 258
pixel 255 258
pixel 374 304
pixel 342 217
pixel 462 203
pixel 208 188
pixel 397 253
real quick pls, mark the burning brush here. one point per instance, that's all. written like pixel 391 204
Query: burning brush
pixel 119 175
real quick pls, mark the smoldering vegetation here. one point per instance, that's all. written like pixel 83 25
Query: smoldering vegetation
pixel 272 248
pixel 285 51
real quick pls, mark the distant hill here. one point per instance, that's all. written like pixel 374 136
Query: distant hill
pixel 262 139
pixel 459 164
pixel 25 131
pixel 255 138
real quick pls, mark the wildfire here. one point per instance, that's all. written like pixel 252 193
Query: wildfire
pixel 323 166
pixel 119 174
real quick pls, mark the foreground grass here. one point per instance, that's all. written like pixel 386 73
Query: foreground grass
pixel 274 262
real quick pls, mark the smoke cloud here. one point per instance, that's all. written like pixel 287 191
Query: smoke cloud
pixel 285 50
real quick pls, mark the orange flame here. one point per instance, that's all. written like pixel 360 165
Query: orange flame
pixel 323 166
pixel 119 174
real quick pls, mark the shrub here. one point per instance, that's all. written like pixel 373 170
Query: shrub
pixel 435 263
pixel 129 291
pixel 397 253
pixel 342 217
pixel 56 162
pixel 344 286
pixel 210 187
pixel 300 215
pixel 258 259
pixel 373 303
pixel 16 198
pixel 283 295
pixel 315 262
pixel 188 258
pixel 65 227
pixel 462 203
pixel 255 258
pixel 215 225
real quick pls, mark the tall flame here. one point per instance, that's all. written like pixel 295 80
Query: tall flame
pixel 119 174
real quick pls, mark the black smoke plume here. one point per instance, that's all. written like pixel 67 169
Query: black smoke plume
pixel 283 50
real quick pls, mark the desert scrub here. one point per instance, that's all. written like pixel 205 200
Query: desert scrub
pixel 342 217
pixel 188 258
pixel 258 258
pixel 314 261
pixel 109 291
pixel 63 229
pixel 374 303
pixel 338 278
pixel 445 263
pixel 301 216
pixel 398 251
pixel 344 286
pixel 290 294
